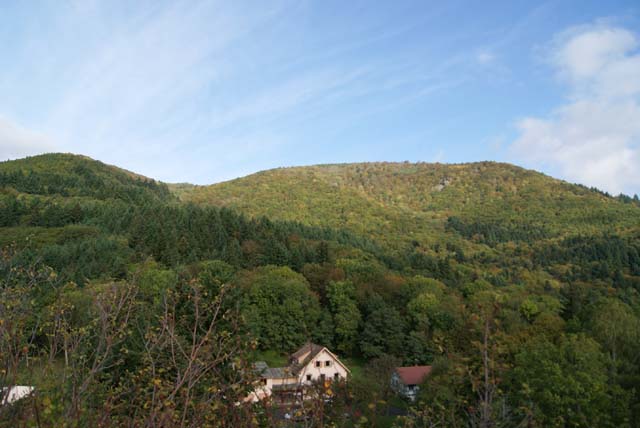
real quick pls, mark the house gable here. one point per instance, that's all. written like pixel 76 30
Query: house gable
pixel 311 363
pixel 323 365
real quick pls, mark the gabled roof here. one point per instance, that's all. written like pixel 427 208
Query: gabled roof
pixel 309 351
pixel 308 347
pixel 312 350
pixel 338 360
pixel 413 375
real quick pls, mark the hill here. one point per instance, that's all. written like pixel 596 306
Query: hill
pixel 401 202
pixel 88 220
pixel 68 175
pixel 505 280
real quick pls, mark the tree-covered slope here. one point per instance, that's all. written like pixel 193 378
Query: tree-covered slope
pixel 66 175
pixel 395 202
pixel 89 220
pixel 522 292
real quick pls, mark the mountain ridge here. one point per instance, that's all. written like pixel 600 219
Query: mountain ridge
pixel 391 198
pixel 391 202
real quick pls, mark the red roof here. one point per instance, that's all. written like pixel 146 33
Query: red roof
pixel 413 375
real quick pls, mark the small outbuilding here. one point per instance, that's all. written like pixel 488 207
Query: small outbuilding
pixel 406 380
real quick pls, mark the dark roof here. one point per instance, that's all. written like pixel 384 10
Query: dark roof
pixel 260 366
pixel 413 375
pixel 307 347
pixel 310 348
pixel 277 372
pixel 264 371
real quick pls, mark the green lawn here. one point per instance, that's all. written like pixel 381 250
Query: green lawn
pixel 356 365
pixel 272 358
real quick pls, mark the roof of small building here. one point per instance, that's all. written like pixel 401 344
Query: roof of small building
pixel 260 366
pixel 264 371
pixel 413 375
pixel 277 372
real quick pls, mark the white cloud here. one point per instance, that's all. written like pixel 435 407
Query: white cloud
pixel 192 91
pixel 17 142
pixel 584 53
pixel 484 57
pixel 595 137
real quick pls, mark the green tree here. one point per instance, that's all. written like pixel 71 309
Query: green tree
pixel 563 385
pixel 345 313
pixel 279 307
pixel 383 331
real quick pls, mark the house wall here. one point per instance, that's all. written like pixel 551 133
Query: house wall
pixel 317 372
pixel 409 391
pixel 263 390
pixel 281 381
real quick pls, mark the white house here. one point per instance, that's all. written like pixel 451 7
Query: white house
pixel 311 364
pixel 406 380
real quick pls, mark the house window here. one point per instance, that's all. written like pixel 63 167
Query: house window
pixel 264 381
pixel 336 376
pixel 308 377
pixel 318 363
pixel 322 377
pixel 327 363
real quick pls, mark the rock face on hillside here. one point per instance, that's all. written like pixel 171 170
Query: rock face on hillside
pixel 444 182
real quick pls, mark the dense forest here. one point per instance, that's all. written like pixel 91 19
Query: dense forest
pixel 130 302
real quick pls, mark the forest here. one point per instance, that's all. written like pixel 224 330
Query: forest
pixel 129 302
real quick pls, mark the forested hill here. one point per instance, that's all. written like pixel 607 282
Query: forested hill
pixel 400 202
pixel 91 221
pixel 68 175
pixel 521 291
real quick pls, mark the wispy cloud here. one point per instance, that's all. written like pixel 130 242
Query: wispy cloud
pixel 594 138
pixel 156 68
pixel 164 85
pixel 484 56
pixel 17 142
pixel 205 90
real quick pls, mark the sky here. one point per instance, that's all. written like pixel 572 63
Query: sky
pixel 205 91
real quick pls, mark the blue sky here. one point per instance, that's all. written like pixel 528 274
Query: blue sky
pixel 204 91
